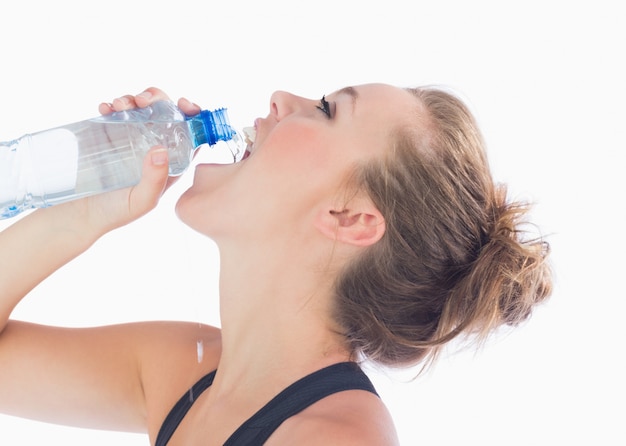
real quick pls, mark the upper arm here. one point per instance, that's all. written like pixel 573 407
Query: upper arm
pixel 89 377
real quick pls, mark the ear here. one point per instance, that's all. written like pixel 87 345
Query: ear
pixel 359 223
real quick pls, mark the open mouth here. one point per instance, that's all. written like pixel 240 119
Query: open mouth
pixel 250 134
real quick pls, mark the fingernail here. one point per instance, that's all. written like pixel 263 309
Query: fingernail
pixel 189 103
pixel 159 157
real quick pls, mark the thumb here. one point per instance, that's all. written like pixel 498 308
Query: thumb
pixel 146 194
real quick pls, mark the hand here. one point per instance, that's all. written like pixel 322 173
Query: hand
pixel 144 99
pixel 148 97
pixel 110 210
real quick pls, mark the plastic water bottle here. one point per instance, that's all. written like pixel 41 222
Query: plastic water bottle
pixel 103 154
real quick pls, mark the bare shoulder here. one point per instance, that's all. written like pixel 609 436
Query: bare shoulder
pixel 353 417
pixel 137 368
pixel 174 355
pixel 176 338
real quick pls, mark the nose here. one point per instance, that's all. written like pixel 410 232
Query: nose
pixel 283 104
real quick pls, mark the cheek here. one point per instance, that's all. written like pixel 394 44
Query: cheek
pixel 301 146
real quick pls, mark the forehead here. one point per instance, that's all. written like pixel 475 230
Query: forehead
pixel 369 116
pixel 380 93
pixel 377 108
pixel 380 101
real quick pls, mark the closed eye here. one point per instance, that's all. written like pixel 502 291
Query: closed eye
pixel 324 106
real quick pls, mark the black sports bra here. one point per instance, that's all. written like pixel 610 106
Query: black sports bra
pixel 295 398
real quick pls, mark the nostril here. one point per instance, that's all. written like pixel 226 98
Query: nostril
pixel 280 104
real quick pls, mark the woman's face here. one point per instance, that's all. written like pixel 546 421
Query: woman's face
pixel 304 151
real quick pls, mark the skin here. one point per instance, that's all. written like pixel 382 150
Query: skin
pixel 287 224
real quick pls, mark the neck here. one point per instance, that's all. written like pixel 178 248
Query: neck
pixel 275 315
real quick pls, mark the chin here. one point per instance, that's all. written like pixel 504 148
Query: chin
pixel 205 179
pixel 196 209
pixel 187 206
pixel 207 205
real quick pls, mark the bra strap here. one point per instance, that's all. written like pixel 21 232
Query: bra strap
pixel 181 408
pixel 297 397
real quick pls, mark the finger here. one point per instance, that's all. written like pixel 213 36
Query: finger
pixel 105 108
pixel 145 195
pixel 125 102
pixel 149 96
pixel 188 107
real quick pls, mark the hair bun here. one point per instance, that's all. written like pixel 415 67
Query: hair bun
pixel 511 268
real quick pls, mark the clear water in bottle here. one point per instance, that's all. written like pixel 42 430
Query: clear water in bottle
pixel 100 154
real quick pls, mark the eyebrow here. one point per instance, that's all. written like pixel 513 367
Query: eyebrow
pixel 350 91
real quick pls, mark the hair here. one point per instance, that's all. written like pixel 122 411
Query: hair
pixel 454 259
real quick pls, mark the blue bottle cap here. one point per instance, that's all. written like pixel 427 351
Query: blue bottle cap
pixel 209 127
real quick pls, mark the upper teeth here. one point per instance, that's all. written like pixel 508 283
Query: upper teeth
pixel 250 133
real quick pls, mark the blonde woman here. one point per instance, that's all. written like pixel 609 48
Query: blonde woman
pixel 364 225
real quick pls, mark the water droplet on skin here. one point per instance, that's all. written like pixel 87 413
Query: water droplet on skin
pixel 200 350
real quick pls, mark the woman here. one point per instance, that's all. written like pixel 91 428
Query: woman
pixel 364 225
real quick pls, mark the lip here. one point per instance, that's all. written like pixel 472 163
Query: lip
pixel 258 122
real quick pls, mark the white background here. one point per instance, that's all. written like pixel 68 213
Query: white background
pixel 546 81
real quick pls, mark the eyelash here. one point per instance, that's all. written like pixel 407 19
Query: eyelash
pixel 324 107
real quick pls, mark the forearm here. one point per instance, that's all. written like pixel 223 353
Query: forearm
pixel 35 247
